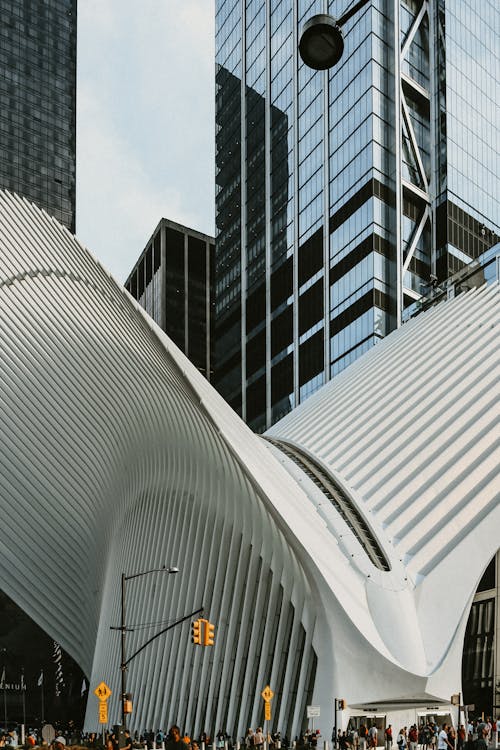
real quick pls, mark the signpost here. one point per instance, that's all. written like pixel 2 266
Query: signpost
pixel 103 692
pixel 339 704
pixel 267 695
pixel 103 712
pixel 312 713
pixel 455 701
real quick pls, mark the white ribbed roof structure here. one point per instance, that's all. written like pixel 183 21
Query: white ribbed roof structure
pixel 347 541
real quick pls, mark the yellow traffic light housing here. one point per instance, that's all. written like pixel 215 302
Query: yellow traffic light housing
pixel 341 704
pixel 127 703
pixel 209 634
pixel 196 632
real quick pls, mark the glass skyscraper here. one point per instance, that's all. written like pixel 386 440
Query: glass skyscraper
pixel 38 103
pixel 342 195
pixel 173 281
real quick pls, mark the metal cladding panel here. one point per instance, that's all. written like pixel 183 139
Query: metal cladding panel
pixel 412 429
pixel 412 433
pixel 110 462
pixel 117 456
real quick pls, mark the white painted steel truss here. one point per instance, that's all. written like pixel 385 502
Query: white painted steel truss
pixel 418 186
pixel 337 557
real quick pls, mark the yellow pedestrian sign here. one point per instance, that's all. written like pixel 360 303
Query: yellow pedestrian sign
pixel 267 694
pixel 102 691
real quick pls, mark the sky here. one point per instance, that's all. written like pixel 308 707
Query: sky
pixel 145 123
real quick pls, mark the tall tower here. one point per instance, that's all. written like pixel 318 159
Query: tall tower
pixel 38 103
pixel 341 195
pixel 173 281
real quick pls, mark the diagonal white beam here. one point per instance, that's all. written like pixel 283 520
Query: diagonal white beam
pixel 413 28
pixel 413 139
pixel 415 238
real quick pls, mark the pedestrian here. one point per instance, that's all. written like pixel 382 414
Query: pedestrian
pixel 388 737
pixel 259 738
pixel 363 735
pixel 373 736
pixel 481 742
pixel 470 730
pixel 421 737
pixel 249 738
pixel 489 727
pixel 174 741
pixel 443 741
pixel 413 737
pixel 401 740
pixel 434 732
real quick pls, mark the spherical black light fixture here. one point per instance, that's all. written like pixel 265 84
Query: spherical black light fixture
pixel 321 44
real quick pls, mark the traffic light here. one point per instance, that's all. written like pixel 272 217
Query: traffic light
pixel 341 704
pixel 196 632
pixel 209 634
pixel 127 703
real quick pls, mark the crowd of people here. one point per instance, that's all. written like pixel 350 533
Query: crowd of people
pixel 475 735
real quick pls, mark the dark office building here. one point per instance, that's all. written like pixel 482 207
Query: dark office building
pixel 342 194
pixel 38 103
pixel 41 682
pixel 173 282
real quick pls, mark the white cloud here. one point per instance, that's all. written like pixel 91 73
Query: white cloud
pixel 145 123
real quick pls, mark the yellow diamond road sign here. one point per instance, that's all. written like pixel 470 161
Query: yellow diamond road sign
pixel 267 693
pixel 102 691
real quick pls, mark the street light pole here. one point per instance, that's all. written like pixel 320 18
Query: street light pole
pixel 123 628
pixel 123 654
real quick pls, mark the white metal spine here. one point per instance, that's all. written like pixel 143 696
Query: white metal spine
pixel 117 456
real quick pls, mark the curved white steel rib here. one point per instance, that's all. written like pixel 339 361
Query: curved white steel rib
pixel 117 456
